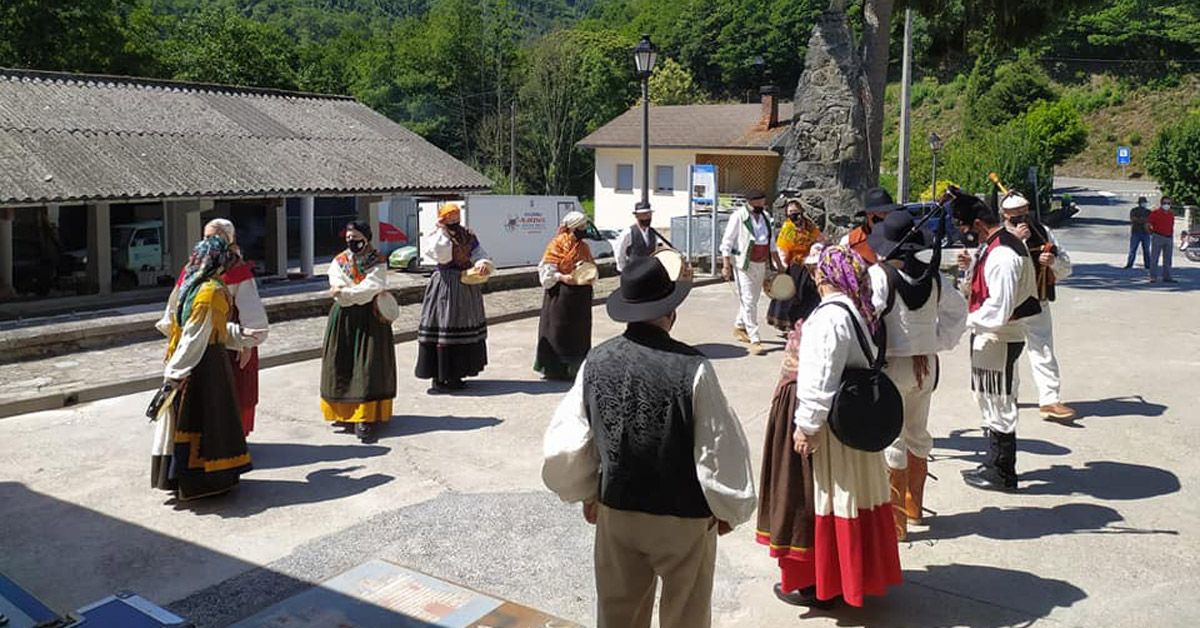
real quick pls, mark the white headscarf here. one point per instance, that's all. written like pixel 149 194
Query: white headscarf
pixel 574 220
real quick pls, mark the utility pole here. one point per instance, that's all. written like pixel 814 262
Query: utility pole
pixel 905 111
pixel 512 150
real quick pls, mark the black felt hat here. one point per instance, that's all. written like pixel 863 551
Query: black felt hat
pixel 878 201
pixel 646 292
pixel 888 239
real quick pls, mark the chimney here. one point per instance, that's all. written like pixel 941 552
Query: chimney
pixel 769 118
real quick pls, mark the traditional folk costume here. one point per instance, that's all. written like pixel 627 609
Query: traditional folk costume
pixel 565 326
pixel 199 448
pixel 853 550
pixel 747 240
pixel 247 313
pixel 647 431
pixel 922 317
pixel 1039 328
pixel 878 204
pixel 793 246
pixel 1001 293
pixel 452 337
pixel 358 363
pixel 636 241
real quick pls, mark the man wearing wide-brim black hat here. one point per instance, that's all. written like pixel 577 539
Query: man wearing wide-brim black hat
pixel 923 316
pixel 877 205
pixel 647 441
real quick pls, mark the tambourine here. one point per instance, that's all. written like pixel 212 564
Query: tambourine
pixel 673 261
pixel 386 307
pixel 472 276
pixel 585 273
pixel 780 286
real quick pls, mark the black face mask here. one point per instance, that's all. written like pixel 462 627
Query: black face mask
pixel 644 222
pixel 357 246
pixel 796 218
pixel 580 234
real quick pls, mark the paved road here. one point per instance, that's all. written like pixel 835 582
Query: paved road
pixel 1104 533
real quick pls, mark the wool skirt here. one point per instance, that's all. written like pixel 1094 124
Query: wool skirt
pixel 564 331
pixel 452 336
pixel 784 314
pixel 785 503
pixel 199 448
pixel 358 367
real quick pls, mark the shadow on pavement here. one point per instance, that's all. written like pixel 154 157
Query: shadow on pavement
pixel 1106 277
pixel 1093 221
pixel 1101 479
pixel 1127 406
pixel 413 425
pixel 501 387
pixel 1027 523
pixel 281 455
pixel 975 446
pixel 961 595
pixel 721 350
pixel 253 496
pixel 69 556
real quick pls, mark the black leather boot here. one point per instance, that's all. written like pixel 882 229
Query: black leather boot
pixel 999 470
pixel 365 432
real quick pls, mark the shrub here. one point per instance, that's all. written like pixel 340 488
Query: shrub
pixel 996 96
pixel 1058 128
pixel 1174 159
pixel 1135 139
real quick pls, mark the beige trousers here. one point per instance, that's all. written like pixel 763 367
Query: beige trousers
pixel 633 548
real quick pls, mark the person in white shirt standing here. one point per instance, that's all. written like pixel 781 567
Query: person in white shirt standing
pixel 746 256
pixel 637 240
pixel 648 442
pixel 1052 264
pixel 1001 291
pixel 922 317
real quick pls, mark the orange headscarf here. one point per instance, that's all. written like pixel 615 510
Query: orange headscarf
pixel 566 251
pixel 447 211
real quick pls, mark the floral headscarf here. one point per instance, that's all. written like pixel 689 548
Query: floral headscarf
pixel 209 258
pixel 846 270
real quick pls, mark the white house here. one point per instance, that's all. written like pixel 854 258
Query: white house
pixel 740 139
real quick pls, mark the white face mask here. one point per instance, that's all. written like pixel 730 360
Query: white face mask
pixel 1166 206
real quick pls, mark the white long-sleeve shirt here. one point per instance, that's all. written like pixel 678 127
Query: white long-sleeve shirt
pixel 571 462
pixel 829 345
pixel 934 327
pixel 1005 272
pixel 193 342
pixel 625 240
pixel 440 247
pixel 357 293
pixel 251 315
pixel 743 231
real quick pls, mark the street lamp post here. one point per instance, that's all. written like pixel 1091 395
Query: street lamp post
pixel 644 55
pixel 935 147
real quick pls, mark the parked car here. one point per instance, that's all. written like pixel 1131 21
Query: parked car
pixel 953 237
pixel 603 242
pixel 137 255
pixel 405 258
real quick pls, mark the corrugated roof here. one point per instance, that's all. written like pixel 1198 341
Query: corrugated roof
pixel 692 126
pixel 69 137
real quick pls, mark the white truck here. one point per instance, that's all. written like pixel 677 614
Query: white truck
pixel 513 229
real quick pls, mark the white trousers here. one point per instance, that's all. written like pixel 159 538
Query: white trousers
pixel 995 382
pixel 749 287
pixel 1039 341
pixel 915 436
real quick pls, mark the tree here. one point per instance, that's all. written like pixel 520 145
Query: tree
pixel 219 45
pixel 1058 128
pixel 65 35
pixel 672 84
pixel 1174 159
pixel 997 95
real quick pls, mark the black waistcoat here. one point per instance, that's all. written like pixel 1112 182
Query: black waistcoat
pixel 637 243
pixel 638 392
pixel 1038 239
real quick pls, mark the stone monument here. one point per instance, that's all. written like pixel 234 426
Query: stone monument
pixel 825 152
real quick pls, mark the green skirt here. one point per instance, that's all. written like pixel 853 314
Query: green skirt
pixel 359 362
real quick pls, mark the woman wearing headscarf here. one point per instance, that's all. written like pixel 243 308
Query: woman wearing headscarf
pixel 247 320
pixel 199 448
pixel 849 549
pixel 565 327
pixel 358 366
pixel 452 336
pixel 796 239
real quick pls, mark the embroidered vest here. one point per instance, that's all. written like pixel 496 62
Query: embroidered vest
pixel 1026 297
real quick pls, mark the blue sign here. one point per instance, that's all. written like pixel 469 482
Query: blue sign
pixel 1123 155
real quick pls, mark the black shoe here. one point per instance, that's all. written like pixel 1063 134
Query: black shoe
pixel 365 432
pixel 803 597
pixel 454 384
pixel 343 427
pixel 988 479
pixel 1127 266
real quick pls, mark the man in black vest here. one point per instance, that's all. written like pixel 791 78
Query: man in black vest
pixel 647 441
pixel 638 239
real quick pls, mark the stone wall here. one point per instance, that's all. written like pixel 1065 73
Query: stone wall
pixel 825 153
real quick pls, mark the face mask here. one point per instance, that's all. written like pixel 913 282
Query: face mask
pixel 1166 206
pixel 580 234
pixel 756 209
pixel 644 222
pixel 796 218
pixel 1142 204
pixel 357 246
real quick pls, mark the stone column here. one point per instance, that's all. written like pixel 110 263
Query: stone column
pixel 276 244
pixel 307 234
pixel 6 251
pixel 99 255
pixel 52 215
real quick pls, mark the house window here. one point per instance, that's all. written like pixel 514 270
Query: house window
pixel 624 177
pixel 664 179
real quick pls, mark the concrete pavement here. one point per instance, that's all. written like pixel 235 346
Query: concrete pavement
pixel 1104 532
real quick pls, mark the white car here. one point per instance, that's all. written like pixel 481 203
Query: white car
pixel 603 246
